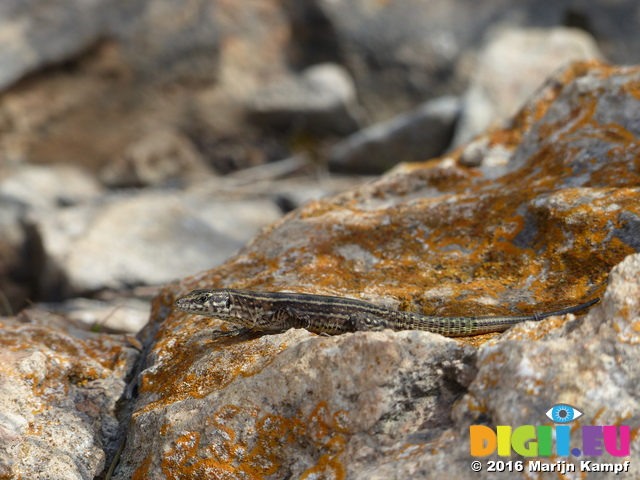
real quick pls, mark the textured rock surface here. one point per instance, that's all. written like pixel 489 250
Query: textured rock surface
pixel 589 364
pixel 289 405
pixel 58 395
pixel 436 237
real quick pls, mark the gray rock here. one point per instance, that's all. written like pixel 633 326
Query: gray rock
pixel 40 33
pixel 320 99
pixel 510 68
pixel 49 186
pixel 147 239
pixel 413 136
pixel 120 315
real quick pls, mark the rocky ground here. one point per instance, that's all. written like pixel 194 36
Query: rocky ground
pixel 419 155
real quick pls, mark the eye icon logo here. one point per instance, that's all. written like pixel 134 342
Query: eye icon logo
pixel 563 413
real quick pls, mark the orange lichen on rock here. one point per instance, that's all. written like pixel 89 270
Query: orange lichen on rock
pixel 176 381
pixel 65 359
pixel 219 451
pixel 59 394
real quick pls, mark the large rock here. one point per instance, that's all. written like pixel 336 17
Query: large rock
pixel 438 238
pixel 318 410
pixel 587 364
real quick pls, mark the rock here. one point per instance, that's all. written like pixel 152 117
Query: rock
pixel 49 186
pixel 510 68
pixel 58 397
pixel 22 257
pixel 586 364
pixel 321 408
pixel 121 315
pixel 157 159
pixel 42 33
pixel 435 237
pixel 320 99
pixel 417 135
pixel 147 239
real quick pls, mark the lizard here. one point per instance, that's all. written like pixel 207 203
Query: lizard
pixel 278 311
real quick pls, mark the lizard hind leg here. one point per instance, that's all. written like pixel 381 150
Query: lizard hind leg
pixel 365 322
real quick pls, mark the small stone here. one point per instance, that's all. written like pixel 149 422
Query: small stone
pixel 320 99
pixel 413 136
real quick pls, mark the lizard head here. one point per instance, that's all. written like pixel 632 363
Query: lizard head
pixel 210 303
